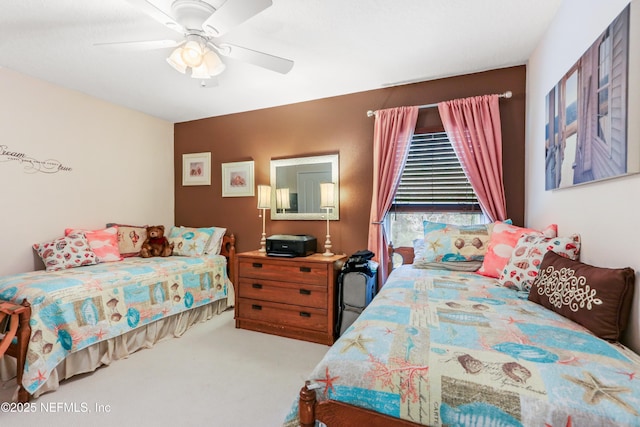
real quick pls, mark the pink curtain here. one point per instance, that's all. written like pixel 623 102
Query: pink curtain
pixel 393 130
pixel 473 127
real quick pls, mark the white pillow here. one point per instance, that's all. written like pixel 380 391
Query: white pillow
pixel 215 244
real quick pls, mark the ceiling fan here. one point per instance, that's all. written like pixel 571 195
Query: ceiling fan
pixel 200 24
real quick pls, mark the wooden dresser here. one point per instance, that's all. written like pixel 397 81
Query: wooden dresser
pixel 290 297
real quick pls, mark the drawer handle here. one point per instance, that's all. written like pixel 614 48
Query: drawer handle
pixel 305 292
pixel 256 286
pixel 305 314
pixel 305 269
pixel 257 265
pixel 256 307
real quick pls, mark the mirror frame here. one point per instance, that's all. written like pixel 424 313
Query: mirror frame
pixel 335 178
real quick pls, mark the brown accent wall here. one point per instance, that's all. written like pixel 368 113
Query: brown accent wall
pixel 331 125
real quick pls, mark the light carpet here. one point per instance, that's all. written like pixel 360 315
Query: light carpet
pixel 214 375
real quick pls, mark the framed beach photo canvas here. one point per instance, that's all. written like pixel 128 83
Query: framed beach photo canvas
pixel 237 179
pixel 589 134
pixel 196 169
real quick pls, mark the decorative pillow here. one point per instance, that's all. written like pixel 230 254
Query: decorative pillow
pixel 66 252
pixel 190 241
pixel 597 298
pixel 522 268
pixel 504 237
pixel 420 262
pixel 448 242
pixel 130 238
pixel 104 243
pixel 215 244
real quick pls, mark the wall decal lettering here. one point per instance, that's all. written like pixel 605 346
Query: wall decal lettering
pixel 30 164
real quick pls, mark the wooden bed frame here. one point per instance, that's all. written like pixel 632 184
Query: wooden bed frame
pixel 228 250
pixel 18 348
pixel 339 414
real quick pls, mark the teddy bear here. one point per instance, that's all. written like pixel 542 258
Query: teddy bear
pixel 156 244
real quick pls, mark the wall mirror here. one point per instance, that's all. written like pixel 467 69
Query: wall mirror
pixel 295 187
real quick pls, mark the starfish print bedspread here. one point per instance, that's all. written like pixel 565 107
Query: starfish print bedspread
pixel 75 308
pixel 457 349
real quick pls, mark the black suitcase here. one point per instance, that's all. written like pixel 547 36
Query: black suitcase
pixel 356 289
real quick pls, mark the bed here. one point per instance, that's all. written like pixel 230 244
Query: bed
pixel 82 318
pixel 438 347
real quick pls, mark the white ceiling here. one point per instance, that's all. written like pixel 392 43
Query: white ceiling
pixel 338 46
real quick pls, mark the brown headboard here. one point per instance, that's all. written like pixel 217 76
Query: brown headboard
pixel 406 252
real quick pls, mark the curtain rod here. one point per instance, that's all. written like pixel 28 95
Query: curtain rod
pixel 507 94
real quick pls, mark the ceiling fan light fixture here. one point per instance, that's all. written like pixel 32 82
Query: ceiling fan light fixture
pixel 175 60
pixel 214 64
pixel 200 72
pixel 192 53
pixel 199 22
pixel 211 66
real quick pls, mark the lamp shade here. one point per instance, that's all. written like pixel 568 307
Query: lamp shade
pixel 264 197
pixel 327 198
pixel 175 60
pixel 213 63
pixel 211 66
pixel 200 72
pixel 282 198
pixel 192 53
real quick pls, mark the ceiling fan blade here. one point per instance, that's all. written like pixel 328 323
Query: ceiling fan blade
pixel 139 45
pixel 232 13
pixel 158 14
pixel 261 59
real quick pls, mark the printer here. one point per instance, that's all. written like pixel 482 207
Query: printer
pixel 291 245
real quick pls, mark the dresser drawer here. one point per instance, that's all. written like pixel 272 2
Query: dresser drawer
pixel 288 297
pixel 283 314
pixel 290 271
pixel 284 292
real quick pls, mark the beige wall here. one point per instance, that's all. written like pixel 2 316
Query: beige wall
pixel 604 213
pixel 121 161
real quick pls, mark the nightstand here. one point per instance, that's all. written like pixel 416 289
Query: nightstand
pixel 289 297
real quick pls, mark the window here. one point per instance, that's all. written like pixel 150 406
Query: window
pixel 604 83
pixel 433 187
pixel 433 178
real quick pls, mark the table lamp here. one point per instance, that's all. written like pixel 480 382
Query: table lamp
pixel 327 201
pixel 264 203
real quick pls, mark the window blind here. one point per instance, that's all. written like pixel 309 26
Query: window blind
pixel 433 178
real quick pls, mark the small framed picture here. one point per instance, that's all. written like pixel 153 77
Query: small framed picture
pixel 196 169
pixel 238 179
